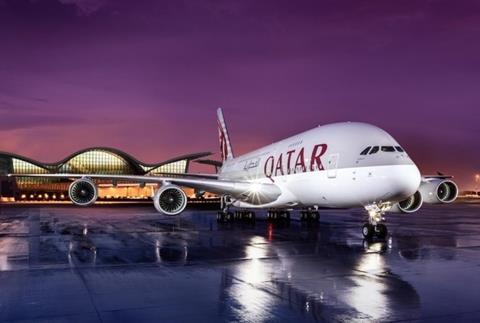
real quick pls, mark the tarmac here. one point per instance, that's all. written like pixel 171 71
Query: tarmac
pixel 131 264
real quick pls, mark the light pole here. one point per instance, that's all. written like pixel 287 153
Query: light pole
pixel 477 181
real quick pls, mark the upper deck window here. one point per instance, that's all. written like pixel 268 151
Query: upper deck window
pixel 388 149
pixel 365 151
pixel 374 150
pixel 399 149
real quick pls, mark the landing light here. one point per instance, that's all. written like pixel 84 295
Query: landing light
pixel 386 207
pixel 255 188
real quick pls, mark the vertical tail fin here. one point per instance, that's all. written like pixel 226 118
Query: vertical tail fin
pixel 225 146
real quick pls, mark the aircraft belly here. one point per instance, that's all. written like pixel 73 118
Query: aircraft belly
pixel 350 188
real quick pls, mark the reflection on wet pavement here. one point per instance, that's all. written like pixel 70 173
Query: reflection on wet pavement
pixel 131 264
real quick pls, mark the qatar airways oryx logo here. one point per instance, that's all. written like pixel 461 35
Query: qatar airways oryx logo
pixel 293 161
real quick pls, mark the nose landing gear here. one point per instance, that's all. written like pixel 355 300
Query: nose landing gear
pixel 374 227
pixel 379 230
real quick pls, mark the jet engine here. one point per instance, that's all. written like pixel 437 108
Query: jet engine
pixel 83 192
pixel 410 205
pixel 170 200
pixel 439 191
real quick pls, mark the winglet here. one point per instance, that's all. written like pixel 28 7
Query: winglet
pixel 225 145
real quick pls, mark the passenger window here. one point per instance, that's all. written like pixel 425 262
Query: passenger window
pixel 388 149
pixel 374 150
pixel 365 151
pixel 399 149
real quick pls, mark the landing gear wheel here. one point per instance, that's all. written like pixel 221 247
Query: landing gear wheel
pixel 368 231
pixel 381 231
pixel 310 216
pixel 224 216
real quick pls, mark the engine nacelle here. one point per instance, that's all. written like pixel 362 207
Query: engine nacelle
pixel 410 205
pixel 83 192
pixel 170 200
pixel 439 191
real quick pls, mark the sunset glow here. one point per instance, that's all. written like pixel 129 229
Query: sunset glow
pixel 146 76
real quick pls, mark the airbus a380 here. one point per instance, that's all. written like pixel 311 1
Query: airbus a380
pixel 339 165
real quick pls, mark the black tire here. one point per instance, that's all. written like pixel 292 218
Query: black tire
pixel 220 216
pixel 368 231
pixel 381 231
pixel 366 244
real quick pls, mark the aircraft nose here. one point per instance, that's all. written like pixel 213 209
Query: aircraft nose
pixel 407 180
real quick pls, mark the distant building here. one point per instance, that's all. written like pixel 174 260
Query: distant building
pixel 470 193
pixel 97 160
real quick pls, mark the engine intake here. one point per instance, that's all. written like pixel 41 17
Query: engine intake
pixel 410 205
pixel 170 200
pixel 439 191
pixel 83 192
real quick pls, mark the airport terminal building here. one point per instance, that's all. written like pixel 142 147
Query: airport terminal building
pixel 96 160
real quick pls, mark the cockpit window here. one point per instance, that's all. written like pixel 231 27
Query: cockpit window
pixel 388 149
pixel 399 149
pixel 365 151
pixel 374 150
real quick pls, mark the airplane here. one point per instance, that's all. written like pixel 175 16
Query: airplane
pixel 339 165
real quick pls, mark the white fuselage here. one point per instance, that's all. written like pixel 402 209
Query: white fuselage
pixel 324 168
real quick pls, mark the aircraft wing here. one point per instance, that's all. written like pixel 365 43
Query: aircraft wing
pixel 199 175
pixel 439 175
pixel 426 178
pixel 255 193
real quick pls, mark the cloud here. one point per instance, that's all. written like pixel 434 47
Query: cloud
pixel 86 7
pixel 13 121
pixel 20 114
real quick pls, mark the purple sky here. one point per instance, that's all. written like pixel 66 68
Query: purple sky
pixel 146 76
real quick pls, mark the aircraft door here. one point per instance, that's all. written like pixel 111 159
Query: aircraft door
pixel 332 165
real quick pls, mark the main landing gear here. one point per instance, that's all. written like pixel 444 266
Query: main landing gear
pixel 278 215
pixel 374 227
pixel 225 215
pixel 249 216
pixel 240 215
pixel 309 216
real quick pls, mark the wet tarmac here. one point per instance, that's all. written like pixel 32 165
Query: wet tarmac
pixel 130 264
